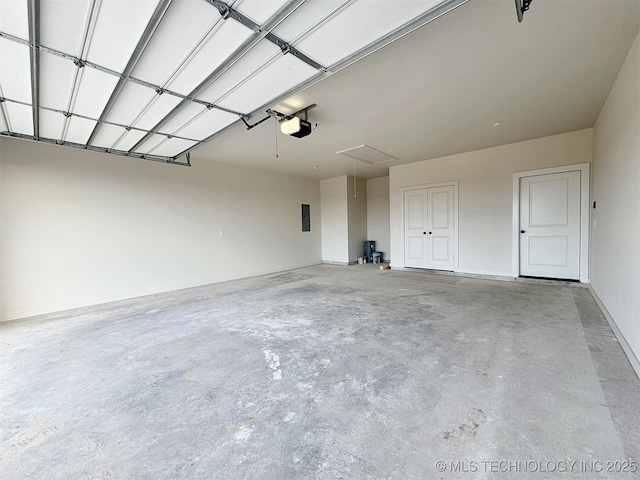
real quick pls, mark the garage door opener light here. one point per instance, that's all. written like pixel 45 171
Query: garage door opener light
pixel 296 127
pixel 290 124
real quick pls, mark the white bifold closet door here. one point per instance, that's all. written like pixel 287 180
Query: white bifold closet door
pixel 429 228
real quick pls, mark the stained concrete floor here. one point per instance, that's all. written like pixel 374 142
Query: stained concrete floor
pixel 322 373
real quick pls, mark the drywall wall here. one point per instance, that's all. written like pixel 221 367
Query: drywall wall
pixel 335 220
pixel 485 194
pixel 615 230
pixel 357 216
pixel 80 228
pixel 344 219
pixel 378 214
pixel 1 236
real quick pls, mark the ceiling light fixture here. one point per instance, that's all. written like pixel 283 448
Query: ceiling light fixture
pixel 496 124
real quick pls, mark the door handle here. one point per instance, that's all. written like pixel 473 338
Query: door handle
pixel 424 233
pixel 521 231
pixel 429 233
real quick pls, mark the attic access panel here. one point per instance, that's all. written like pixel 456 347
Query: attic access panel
pixel 368 154
pixel 155 79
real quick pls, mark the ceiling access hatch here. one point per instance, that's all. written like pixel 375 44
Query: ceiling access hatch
pixel 368 154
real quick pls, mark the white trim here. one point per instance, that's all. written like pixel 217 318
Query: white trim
pixel 633 359
pixel 486 273
pixel 583 168
pixel 462 273
pixel 332 262
pixel 451 183
pixel 482 275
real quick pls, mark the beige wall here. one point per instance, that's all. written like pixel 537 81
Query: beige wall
pixel 335 223
pixel 378 214
pixel 2 261
pixel 485 194
pixel 615 245
pixel 357 215
pixel 81 228
pixel 344 219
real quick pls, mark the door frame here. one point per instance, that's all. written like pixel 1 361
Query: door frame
pixel 583 168
pixel 452 183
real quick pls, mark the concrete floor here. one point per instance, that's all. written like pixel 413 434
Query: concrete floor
pixel 322 373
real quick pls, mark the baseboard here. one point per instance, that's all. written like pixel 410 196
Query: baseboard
pixel 330 262
pixel 459 273
pixel 61 307
pixel 633 359
pixel 485 273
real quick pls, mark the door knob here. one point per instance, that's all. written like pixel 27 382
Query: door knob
pixel 521 231
pixel 424 233
pixel 429 233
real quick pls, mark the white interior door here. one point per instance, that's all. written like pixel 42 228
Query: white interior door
pixel 415 228
pixel 550 225
pixel 429 228
pixel 440 228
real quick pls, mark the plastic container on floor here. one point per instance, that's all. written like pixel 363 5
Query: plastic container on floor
pixel 369 247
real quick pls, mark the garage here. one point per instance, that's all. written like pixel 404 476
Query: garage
pixel 187 188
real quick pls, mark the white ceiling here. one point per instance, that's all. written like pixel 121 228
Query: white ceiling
pixel 154 79
pixel 436 91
